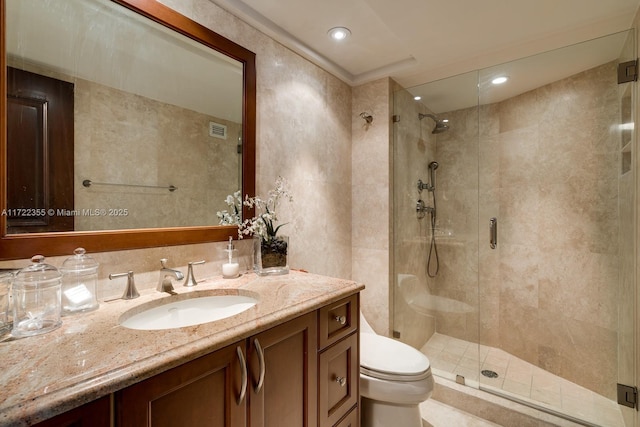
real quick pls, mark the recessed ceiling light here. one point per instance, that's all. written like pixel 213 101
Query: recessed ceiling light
pixel 499 80
pixel 339 33
pixel 417 98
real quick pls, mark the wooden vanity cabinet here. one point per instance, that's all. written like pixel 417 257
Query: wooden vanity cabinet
pixel 302 373
pixel 92 414
pixel 207 391
pixel 281 385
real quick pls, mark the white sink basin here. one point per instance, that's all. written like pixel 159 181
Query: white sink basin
pixel 190 309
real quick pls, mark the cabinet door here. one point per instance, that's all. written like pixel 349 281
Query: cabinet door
pixel 93 414
pixel 204 392
pixel 339 377
pixel 283 375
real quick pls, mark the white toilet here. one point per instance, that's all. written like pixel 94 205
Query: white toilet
pixel 394 379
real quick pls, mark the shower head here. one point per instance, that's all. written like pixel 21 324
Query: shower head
pixel 433 165
pixel 441 125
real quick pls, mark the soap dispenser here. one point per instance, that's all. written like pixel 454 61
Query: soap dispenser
pixel 79 281
pixel 231 269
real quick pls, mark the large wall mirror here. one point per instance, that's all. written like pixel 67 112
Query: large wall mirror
pixel 124 125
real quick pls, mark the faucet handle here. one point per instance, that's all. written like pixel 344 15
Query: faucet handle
pixel 191 280
pixel 130 291
pixel 163 262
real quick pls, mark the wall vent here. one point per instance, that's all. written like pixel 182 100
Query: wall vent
pixel 217 130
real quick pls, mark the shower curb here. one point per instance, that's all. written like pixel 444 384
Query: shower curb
pixel 494 408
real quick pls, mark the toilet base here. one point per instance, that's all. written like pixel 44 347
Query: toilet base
pixel 382 414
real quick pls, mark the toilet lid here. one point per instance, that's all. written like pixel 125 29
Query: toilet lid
pixel 388 356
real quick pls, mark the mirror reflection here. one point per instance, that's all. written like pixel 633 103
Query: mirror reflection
pixel 115 122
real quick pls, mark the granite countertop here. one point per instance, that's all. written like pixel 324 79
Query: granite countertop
pixel 91 355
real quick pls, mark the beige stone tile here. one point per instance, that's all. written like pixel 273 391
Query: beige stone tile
pixel 471 375
pixel 519 112
pixel 437 414
pixel 516 388
pixel 431 352
pixel 469 363
pixel 443 364
pixel 519 374
pixel 546 397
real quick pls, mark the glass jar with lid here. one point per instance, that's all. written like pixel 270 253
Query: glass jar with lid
pixel 6 277
pixel 79 281
pixel 36 295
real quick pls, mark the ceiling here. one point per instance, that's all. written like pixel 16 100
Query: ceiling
pixel 418 41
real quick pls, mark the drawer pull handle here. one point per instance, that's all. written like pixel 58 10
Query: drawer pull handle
pixel 243 367
pixel 258 347
pixel 341 319
pixel 342 381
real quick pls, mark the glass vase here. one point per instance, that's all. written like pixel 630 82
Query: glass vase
pixel 270 257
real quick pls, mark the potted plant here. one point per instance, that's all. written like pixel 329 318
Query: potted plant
pixel 270 249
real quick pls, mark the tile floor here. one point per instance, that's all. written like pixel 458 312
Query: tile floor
pixel 519 379
pixel 437 414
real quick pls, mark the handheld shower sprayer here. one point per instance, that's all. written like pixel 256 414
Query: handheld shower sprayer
pixel 431 184
pixel 432 174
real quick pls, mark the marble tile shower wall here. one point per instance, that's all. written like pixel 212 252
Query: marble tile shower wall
pixel 457 226
pixel 303 134
pixel 549 165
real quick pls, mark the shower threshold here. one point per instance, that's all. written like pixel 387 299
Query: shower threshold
pixel 518 380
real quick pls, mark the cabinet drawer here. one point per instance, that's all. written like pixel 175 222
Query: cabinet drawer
pixel 352 419
pixel 339 376
pixel 337 320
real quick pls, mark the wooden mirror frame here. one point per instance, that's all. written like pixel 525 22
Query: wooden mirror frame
pixel 19 246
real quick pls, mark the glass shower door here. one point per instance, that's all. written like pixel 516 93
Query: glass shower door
pixel 557 170
pixel 435 229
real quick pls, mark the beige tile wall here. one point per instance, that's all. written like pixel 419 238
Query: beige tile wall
pixel 371 194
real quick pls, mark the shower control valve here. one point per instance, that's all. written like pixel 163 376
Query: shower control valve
pixel 424 186
pixel 422 208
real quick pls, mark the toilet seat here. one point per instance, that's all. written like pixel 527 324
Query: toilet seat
pixel 391 360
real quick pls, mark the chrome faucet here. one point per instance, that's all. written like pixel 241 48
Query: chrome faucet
pixel 166 276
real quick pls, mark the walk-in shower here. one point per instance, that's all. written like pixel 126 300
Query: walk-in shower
pixel 547 313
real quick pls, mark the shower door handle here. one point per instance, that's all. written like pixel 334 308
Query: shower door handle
pixel 493 233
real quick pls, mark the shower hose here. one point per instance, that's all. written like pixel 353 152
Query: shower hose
pixel 433 247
